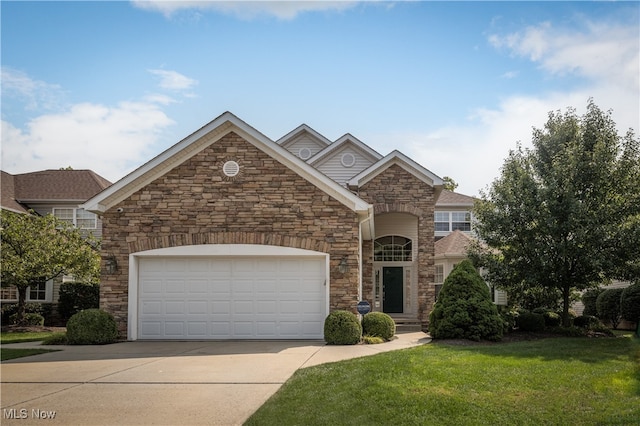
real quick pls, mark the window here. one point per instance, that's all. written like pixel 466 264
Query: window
pixel 392 249
pixel 38 290
pixel 439 274
pixel 451 221
pixel 442 221
pixel 80 218
pixel 461 221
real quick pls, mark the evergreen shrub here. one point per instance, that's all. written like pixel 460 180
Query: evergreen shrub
pixel 464 308
pixel 529 321
pixel 378 324
pixel 342 328
pixel 92 327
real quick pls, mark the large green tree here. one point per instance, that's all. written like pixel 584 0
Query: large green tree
pixel 564 215
pixel 37 248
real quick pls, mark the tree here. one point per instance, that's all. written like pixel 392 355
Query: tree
pixel 41 248
pixel 449 183
pixel 464 308
pixel 608 306
pixel 564 215
pixel 630 303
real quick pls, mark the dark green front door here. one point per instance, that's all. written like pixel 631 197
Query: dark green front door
pixel 392 285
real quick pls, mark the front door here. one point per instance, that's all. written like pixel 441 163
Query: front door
pixel 392 293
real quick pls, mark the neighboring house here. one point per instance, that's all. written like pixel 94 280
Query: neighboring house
pixel 230 235
pixel 57 192
pixel 451 250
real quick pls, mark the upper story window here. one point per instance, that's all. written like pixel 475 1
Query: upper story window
pixel 79 218
pixel 392 249
pixel 451 221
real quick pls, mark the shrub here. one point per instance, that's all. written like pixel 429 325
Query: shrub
pixel 552 319
pixel 378 324
pixel 608 306
pixel 372 340
pixel 92 327
pixel 75 297
pixel 509 317
pixel 464 308
pixel 342 328
pixel 529 321
pixel 9 311
pixel 30 318
pixel 586 321
pixel 630 303
pixel 589 301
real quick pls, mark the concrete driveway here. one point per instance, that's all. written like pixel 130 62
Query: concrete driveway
pixel 161 383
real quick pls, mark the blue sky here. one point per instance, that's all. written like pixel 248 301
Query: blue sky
pixel 454 85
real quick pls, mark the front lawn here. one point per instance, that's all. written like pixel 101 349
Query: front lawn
pixel 577 381
pixel 11 353
pixel 23 336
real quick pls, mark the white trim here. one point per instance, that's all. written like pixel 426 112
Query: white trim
pixel 303 128
pixel 398 158
pixel 343 141
pixel 206 136
pixel 211 250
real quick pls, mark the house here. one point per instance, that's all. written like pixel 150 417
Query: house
pixel 57 192
pixel 230 235
pixel 451 250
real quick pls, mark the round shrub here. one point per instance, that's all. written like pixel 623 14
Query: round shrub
pixel 464 308
pixel 589 301
pixel 342 328
pixel 378 324
pixel 608 306
pixel 630 303
pixel 552 319
pixel 528 321
pixel 92 327
pixel 586 321
pixel 29 318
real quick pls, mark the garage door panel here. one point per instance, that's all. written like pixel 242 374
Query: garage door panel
pixel 237 298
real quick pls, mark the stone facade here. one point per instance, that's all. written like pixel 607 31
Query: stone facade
pixel 196 203
pixel 397 191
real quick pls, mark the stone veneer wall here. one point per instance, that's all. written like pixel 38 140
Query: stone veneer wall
pixel 397 191
pixel 195 203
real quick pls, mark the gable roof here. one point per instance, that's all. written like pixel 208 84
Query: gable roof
pixel 8 201
pixel 453 199
pixel 49 186
pixel 209 135
pixel 453 245
pixel 303 128
pixel 398 158
pixel 347 139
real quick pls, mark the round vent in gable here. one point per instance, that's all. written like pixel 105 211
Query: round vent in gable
pixel 231 168
pixel 304 153
pixel 348 159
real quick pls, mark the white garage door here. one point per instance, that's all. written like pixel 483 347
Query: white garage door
pixel 231 297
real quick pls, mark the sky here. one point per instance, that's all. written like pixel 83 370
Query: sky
pixel 107 86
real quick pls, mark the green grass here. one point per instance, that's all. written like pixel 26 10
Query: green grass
pixel 23 336
pixel 11 353
pixel 554 381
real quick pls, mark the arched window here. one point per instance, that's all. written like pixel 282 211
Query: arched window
pixel 392 249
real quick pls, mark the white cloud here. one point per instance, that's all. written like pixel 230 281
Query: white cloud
pixel 173 80
pixel 473 152
pixel 35 94
pixel 599 51
pixel 245 9
pixel 109 140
